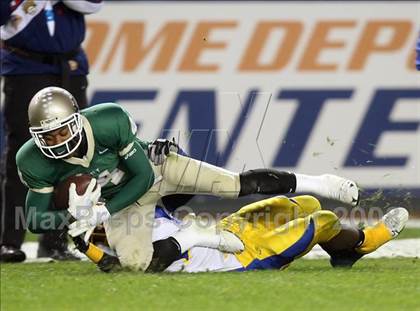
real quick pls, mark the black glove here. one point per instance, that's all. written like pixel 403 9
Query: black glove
pixel 159 150
pixel 105 262
pixel 109 263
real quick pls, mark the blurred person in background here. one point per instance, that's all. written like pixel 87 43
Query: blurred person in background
pixel 40 47
pixel 418 53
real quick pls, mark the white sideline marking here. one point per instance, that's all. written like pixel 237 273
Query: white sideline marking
pixel 31 248
pixel 411 223
pixel 409 248
pixel 398 248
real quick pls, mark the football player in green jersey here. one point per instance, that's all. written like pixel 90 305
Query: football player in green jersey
pixel 130 175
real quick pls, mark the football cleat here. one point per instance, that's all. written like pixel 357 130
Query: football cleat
pixel 10 253
pixel 340 189
pixel 395 220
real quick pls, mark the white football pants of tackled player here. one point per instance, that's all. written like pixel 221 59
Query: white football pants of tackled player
pixel 129 232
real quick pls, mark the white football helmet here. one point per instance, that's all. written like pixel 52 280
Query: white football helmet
pixel 50 109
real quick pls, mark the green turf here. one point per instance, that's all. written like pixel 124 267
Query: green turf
pixel 375 284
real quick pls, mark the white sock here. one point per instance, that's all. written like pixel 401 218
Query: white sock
pixel 184 239
pixel 197 233
pixel 307 183
pixel 188 238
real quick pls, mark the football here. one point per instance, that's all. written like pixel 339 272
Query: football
pixel 61 191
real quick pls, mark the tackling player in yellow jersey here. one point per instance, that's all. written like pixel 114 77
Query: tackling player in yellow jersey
pixel 274 232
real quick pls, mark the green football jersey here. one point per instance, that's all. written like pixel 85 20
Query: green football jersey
pixel 110 133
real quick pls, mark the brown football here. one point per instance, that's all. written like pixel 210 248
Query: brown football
pixel 61 191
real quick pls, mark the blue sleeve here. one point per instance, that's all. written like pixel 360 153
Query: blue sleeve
pixel 5 11
pixel 418 53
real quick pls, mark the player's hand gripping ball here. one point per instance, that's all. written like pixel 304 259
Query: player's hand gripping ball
pixel 81 184
pixel 82 205
pixel 61 191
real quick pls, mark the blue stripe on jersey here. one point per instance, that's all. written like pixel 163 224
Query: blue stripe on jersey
pixel 160 212
pixel 280 260
pixel 418 53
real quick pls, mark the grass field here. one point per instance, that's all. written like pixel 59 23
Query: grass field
pixel 373 284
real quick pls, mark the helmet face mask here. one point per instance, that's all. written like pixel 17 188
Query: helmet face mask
pixel 50 110
pixel 65 148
